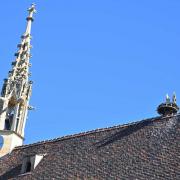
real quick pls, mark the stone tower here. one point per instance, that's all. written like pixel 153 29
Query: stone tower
pixel 15 94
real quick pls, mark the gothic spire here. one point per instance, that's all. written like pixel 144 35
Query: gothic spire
pixel 20 70
pixel 16 91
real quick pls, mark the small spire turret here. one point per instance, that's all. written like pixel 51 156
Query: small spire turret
pixel 169 107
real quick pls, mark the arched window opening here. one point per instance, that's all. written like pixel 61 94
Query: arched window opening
pixel 17 124
pixel 18 117
pixel 8 124
pixel 9 118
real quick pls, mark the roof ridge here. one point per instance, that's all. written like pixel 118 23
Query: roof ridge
pixel 91 131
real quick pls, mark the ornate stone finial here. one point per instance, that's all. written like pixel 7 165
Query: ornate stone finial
pixel 29 19
pixel 167 98
pixel 168 108
pixel 174 98
pixel 32 8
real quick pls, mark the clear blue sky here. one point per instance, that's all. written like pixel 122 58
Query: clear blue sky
pixel 96 63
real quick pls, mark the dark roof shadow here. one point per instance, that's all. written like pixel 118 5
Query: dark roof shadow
pixel 126 131
pixel 11 173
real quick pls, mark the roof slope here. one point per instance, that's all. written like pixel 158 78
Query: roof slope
pixel 149 149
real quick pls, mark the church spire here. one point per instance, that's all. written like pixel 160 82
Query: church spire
pixel 16 92
pixel 20 67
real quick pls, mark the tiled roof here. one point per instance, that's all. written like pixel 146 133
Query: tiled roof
pixel 148 149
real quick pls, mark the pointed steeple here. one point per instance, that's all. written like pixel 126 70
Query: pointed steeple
pixel 16 92
pixel 20 67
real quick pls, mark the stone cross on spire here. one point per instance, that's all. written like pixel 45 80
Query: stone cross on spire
pixel 16 92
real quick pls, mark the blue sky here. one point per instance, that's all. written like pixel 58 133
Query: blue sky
pixel 96 63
